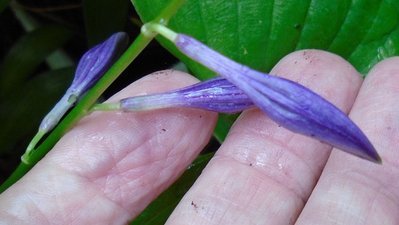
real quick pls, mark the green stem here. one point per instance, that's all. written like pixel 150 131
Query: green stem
pixel 106 107
pixel 83 107
pixel 39 135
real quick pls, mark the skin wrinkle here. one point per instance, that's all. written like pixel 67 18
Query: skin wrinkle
pixel 273 177
pixel 52 184
pixel 362 179
pixel 269 169
pixel 380 192
pixel 376 185
pixel 82 154
pixel 169 152
pixel 317 164
pixel 217 216
pixel 147 147
pixel 38 212
pixel 95 193
pixel 228 190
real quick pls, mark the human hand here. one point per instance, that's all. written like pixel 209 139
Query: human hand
pixel 111 165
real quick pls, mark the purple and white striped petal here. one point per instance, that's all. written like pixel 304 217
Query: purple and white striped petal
pixel 290 104
pixel 93 64
pixel 216 94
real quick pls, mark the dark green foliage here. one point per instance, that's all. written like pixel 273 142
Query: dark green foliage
pixel 27 54
pixel 104 17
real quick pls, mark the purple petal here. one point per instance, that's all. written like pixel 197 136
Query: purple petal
pixel 292 105
pixel 96 61
pixel 216 94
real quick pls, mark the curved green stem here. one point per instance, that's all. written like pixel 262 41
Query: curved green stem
pixel 83 107
pixel 38 136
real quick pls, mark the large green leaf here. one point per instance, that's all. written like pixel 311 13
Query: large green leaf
pixel 25 106
pixel 259 33
pixel 160 209
pixel 27 54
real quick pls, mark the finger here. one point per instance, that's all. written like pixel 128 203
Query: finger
pixel 263 173
pixel 354 191
pixel 112 164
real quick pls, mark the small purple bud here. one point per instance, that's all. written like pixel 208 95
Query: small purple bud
pixel 95 62
pixel 216 94
pixel 291 105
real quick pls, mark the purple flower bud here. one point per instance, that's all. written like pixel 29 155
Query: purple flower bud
pixel 290 104
pixel 216 94
pixel 93 64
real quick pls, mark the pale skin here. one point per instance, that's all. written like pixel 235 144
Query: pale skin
pixel 111 165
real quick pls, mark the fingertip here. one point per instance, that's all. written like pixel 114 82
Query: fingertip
pixel 322 72
pixel 386 70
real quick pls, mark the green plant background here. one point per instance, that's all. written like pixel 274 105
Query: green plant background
pixel 38 65
pixel 259 33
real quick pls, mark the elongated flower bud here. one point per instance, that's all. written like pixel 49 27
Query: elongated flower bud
pixel 93 64
pixel 216 94
pixel 290 104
